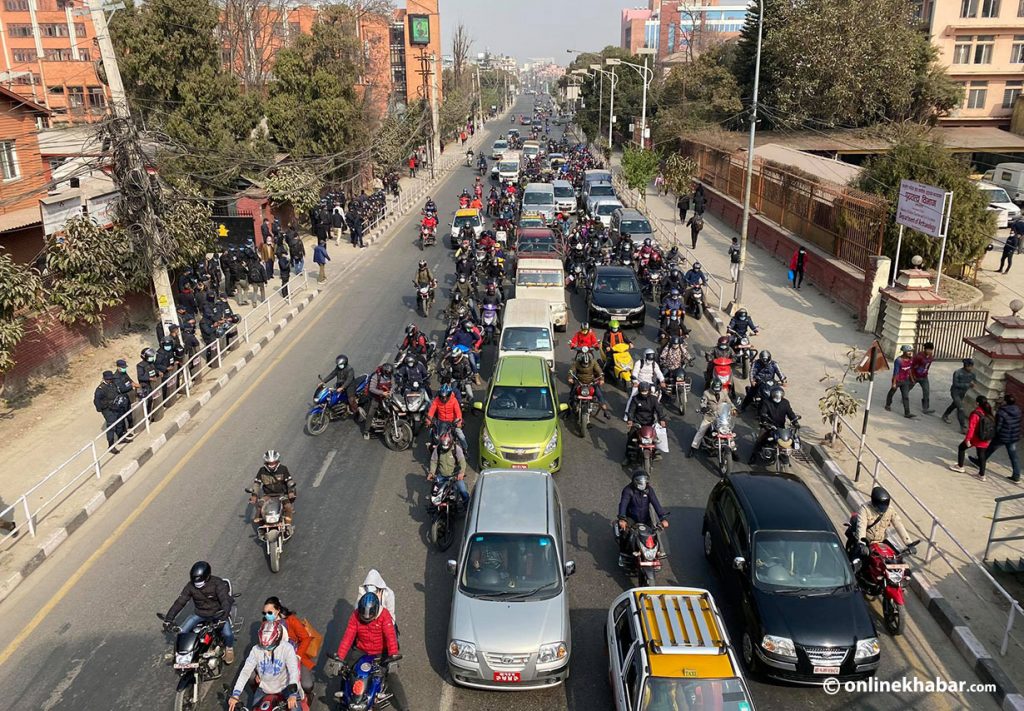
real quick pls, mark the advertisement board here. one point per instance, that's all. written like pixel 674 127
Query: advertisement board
pixel 419 30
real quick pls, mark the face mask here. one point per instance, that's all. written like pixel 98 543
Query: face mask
pixel 167 348
pixel 269 616
pixel 776 398
pixel 200 585
pixel 123 370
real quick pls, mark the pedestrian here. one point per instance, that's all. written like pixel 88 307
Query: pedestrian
pixel 981 430
pixel 963 380
pixel 265 232
pixel 324 223
pixel 284 268
pixel 462 137
pixel 1011 246
pixel 659 184
pixel 240 267
pixel 355 223
pixel 267 252
pixel 1007 434
pixel 276 229
pixel 734 259
pixel 126 386
pixel 902 380
pixel 226 259
pixel 412 166
pixel 797 264
pixel 112 405
pixel 683 206
pixel 699 201
pixel 921 364
pixel 258 278
pixel 320 258
pixel 696 224
pixel 337 223
pixel 298 252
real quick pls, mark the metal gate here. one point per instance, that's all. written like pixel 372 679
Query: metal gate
pixel 947 329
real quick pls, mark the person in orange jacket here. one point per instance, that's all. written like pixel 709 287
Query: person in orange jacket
pixel 298 636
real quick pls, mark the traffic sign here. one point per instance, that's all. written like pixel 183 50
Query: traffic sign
pixel 874 360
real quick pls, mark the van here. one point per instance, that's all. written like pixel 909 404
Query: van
pixel 596 176
pixel 527 330
pixel 509 626
pixel 565 195
pixel 508 167
pixel 1009 177
pixel 627 222
pixel 539 198
pixel 531 150
pixel 544 279
pixel 1000 204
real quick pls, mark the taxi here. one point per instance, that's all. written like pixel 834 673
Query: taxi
pixel 470 216
pixel 668 649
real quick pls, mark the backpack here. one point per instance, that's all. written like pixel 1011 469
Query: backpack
pixel 986 429
pixel 256 272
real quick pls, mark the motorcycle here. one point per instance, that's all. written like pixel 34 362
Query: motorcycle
pixel 744 354
pixel 584 407
pixel 428 237
pixel 644 559
pixel 329 405
pixel 443 506
pixel 425 299
pixel 778 449
pixel 720 439
pixel 391 420
pixel 272 702
pixel 883 574
pixel 677 387
pixel 272 530
pixel 695 302
pixel 364 685
pixel 575 277
pixel 762 391
pixel 642 447
pixel 412 402
pixel 198 657
pixel 620 366
pixel 489 323
pixel 652 285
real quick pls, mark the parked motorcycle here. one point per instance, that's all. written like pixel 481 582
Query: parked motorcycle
pixel 329 405
pixel 778 449
pixel 619 367
pixel 644 558
pixel 364 685
pixel 883 574
pixel 584 407
pixel 720 439
pixel 272 529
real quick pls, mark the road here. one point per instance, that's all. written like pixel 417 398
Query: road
pixel 82 633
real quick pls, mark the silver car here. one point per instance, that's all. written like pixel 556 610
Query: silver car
pixel 509 627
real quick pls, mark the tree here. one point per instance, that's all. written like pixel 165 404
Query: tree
pixel 461 44
pixel 698 93
pixel 915 156
pixel 20 290
pixel 833 63
pixel 639 168
pixel 294 186
pixel 628 93
pixel 251 30
pixel 680 172
pixel 398 135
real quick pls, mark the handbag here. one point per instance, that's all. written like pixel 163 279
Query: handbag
pixel 791 275
pixel 662 442
pixel 316 639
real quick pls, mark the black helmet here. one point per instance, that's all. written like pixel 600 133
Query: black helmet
pixel 584 326
pixel 777 394
pixel 644 387
pixel 341 361
pixel 410 360
pixel 201 572
pixel 879 499
pixel 411 329
pixel 696 266
pixel 765 357
pixel 741 314
pixel 676 340
pixel 640 479
pixel 716 386
pixel 423 264
pixel 368 607
pixel 147 354
pixel 387 369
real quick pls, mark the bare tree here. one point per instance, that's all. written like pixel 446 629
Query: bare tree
pixel 250 33
pixel 461 44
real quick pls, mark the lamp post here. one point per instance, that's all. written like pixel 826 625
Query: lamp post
pixel 600 94
pixel 647 74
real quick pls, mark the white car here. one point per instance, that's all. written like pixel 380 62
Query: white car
pixel 498 149
pixel 1000 203
pixel 603 208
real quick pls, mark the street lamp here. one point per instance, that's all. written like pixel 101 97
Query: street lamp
pixel 611 102
pixel 647 74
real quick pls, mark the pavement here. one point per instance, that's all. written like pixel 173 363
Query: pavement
pixel 82 632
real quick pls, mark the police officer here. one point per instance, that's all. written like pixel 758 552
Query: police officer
pixel 208 330
pixel 147 378
pixel 166 366
pixel 125 386
pixel 190 343
pixel 111 404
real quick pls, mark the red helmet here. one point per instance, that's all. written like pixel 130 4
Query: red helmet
pixel 270 634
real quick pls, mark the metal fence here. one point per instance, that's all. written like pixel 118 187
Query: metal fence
pixel 842 221
pixel 947 329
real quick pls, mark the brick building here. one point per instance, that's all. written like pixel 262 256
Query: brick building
pixel 680 29
pixel 25 176
pixel 50 57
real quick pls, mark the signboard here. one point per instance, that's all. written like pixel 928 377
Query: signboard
pixel 923 208
pixel 419 30
pixel 234 231
pixel 101 208
pixel 572 93
pixel 874 360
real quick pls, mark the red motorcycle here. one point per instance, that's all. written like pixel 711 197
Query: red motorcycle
pixel 642 446
pixel 883 574
pixel 721 368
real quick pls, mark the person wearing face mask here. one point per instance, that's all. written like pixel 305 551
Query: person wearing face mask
pixel 276 666
pixel 775 411
pixel 212 599
pixel 273 479
pixel 166 367
pixel 147 377
pixel 635 507
pixel 126 387
pixel 298 635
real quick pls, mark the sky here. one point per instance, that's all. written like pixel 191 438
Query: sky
pixel 534 28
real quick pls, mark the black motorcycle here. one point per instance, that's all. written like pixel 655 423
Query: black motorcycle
pixel 780 446
pixel 644 555
pixel 443 506
pixel 695 301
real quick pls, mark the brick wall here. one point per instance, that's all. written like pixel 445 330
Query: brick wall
pixel 48 345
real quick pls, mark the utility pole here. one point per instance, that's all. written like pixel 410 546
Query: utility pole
pixel 137 180
pixel 738 291
pixel 435 132
pixel 479 97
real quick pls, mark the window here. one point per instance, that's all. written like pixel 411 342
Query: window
pixel 973 50
pixel 8 160
pixel 1017 50
pixel 1020 8
pixel 97 97
pixel 977 94
pixel 55 90
pixel 59 55
pixel 623 629
pixel 632 677
pixel 24 55
pixel 76 97
pixel 1010 93
pixel 19 30
pixel 16 5
pixel 962 50
pixel 983 49
pixel 968 8
pixel 990 8
pixel 84 55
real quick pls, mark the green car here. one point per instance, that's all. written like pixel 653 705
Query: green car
pixel 520 428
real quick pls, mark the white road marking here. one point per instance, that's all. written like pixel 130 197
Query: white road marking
pixel 447 695
pixel 323 470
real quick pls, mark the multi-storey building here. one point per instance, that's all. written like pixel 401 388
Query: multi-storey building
pixel 50 57
pixel 634 23
pixel 679 30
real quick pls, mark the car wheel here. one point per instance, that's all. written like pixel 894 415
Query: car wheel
pixel 749 654
pixel 707 542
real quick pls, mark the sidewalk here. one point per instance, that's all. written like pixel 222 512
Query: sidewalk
pixel 809 336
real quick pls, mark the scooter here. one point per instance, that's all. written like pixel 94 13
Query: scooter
pixel 620 366
pixel 721 368
pixel 329 405
pixel 272 530
pixel 883 574
pixel 489 322
pixel 364 685
pixel 720 439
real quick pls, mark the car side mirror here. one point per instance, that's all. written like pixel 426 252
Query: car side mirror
pixel 562 407
pixel 569 567
pixel 739 562
pixel 452 567
pixel 478 407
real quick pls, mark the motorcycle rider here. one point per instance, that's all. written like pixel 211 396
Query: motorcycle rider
pixel 613 337
pixel 379 388
pixel 583 337
pixel 412 371
pixel 710 401
pixel 646 370
pixel 873 521
pixel 464 288
pixel 764 368
pixel 430 207
pixel 273 479
pixel 414 342
pixel 635 504
pixel 446 409
pixel 644 409
pixel 429 222
pixel 370 630
pixel 424 277
pixel 696 275
pixel 449 460
pixel 492 298
pixel 455 370
pixel 345 381
pixel 212 599
pixel 469 338
pixel 276 666
pixel 740 324
pixel 586 371
pixel 673 328
pixel 672 302
pixel 675 280
pixel 673 356
pixel 775 411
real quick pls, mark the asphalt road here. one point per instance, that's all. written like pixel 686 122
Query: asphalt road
pixel 82 633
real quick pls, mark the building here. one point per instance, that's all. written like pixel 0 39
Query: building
pixel 679 30
pixel 25 175
pixel 414 64
pixel 634 23
pixel 250 40
pixel 981 42
pixel 50 57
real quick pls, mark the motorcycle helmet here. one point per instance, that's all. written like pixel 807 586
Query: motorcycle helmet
pixel 777 394
pixel 167 343
pixel 491 290
pixel 880 499
pixel 341 361
pixel 741 314
pixel 696 267
pixel 584 327
pixel 644 388
pixel 716 386
pixel 423 264
pixel 676 340
pixel 387 369
pixel 468 326
pixel 368 607
pixel 765 357
pixel 271 459
pixel 201 572
pixel 613 325
pixel 674 293
pixel 444 392
pixel 457 354
pixel 722 347
pixel 462 278
pixel 148 354
pixel 584 356
pixel 647 242
pixel 271 634
pixel 411 330
pixel 640 479
pixel 444 441
pixel 410 361
pixel 649 355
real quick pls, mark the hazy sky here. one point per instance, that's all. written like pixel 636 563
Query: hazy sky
pixel 534 28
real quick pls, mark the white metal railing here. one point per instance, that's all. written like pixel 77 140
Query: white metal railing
pixel 934 525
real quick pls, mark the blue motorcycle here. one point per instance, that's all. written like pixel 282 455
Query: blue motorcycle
pixel 329 405
pixel 364 686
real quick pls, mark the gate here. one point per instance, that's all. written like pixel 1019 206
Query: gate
pixel 947 329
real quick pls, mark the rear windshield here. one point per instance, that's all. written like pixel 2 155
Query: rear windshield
pixel 498 145
pixel 537 277
pixel 607 208
pixel 602 191
pixel 525 338
pixel 634 226
pixel 538 198
pixel 564 191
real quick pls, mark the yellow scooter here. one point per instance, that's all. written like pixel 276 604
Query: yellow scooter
pixel 620 366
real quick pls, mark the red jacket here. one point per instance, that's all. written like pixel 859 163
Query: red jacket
pixel 972 427
pixel 372 637
pixel 449 411
pixel 796 254
pixel 581 339
pixel 300 638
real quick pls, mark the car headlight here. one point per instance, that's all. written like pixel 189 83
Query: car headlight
pixel 488 443
pixel 552 652
pixel 779 646
pixel 552 443
pixel 600 308
pixel 867 648
pixel 462 650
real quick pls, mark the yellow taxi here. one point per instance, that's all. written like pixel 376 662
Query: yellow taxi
pixel 466 216
pixel 668 651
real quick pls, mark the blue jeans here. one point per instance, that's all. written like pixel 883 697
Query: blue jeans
pixel 1011 452
pixel 460 485
pixel 226 633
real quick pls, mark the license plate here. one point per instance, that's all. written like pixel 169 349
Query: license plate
pixel 826 670
pixel 506 677
pixel 648 563
pixel 193 665
pixel 519 466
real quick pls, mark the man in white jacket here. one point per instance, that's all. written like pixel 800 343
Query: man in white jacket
pixel 647 370
pixel 276 664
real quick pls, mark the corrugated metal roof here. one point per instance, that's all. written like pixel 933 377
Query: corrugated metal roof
pixel 17 219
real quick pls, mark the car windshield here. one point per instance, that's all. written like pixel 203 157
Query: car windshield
pixel 606 284
pixel 601 191
pixel 995 195
pixel 635 226
pixel 513 567
pixel 538 198
pixel 531 222
pixel 507 166
pixel 538 277
pixel 472 220
pixel 803 562
pixel 564 191
pixel 510 402
pixel 607 208
pixel 523 338
pixel 498 145
pixel 671 694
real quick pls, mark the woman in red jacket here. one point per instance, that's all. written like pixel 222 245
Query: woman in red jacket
pixel 298 636
pixel 978 435
pixel 372 630
pixel 797 265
